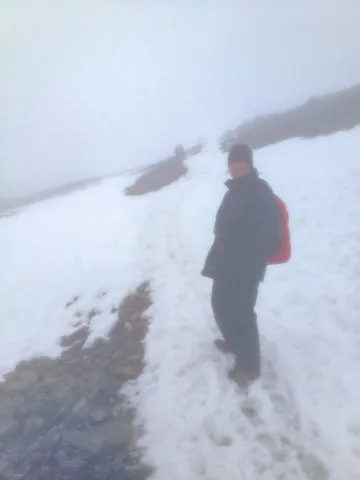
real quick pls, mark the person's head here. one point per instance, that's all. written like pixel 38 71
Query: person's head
pixel 240 160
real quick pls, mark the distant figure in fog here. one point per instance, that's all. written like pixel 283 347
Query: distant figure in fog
pixel 179 152
pixel 251 231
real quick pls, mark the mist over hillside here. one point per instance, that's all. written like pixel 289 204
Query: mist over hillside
pixel 88 89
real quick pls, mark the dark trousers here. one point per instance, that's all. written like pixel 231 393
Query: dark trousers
pixel 233 302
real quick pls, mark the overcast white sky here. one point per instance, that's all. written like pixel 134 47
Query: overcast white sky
pixel 93 87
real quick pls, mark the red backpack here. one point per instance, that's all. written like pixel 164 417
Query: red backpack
pixel 283 254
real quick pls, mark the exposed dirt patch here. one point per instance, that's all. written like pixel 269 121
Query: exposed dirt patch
pixel 72 301
pixel 158 177
pixel 65 418
pixel 80 335
pixel 318 116
pixel 164 173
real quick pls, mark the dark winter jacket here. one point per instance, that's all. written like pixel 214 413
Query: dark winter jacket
pixel 241 245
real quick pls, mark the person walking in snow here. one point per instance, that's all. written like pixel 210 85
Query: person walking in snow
pixel 246 235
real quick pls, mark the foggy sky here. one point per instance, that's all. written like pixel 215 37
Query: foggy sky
pixel 93 87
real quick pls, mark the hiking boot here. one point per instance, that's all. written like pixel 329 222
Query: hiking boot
pixel 239 378
pixel 242 378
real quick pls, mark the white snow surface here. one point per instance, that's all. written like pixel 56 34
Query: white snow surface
pixel 301 420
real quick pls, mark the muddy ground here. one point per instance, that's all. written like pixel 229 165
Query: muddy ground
pixel 65 418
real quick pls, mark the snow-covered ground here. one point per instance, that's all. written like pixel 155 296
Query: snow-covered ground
pixel 302 419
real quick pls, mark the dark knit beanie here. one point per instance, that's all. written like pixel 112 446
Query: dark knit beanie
pixel 241 153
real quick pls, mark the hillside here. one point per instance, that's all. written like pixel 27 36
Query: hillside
pixel 68 263
pixel 322 115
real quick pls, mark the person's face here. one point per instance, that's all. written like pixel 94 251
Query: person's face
pixel 238 169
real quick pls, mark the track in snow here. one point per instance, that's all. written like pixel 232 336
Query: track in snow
pixel 197 425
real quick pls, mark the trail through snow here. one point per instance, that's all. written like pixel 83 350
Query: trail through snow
pixel 301 420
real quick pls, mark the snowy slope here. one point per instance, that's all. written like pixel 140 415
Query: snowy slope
pixel 301 421
pixel 83 244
